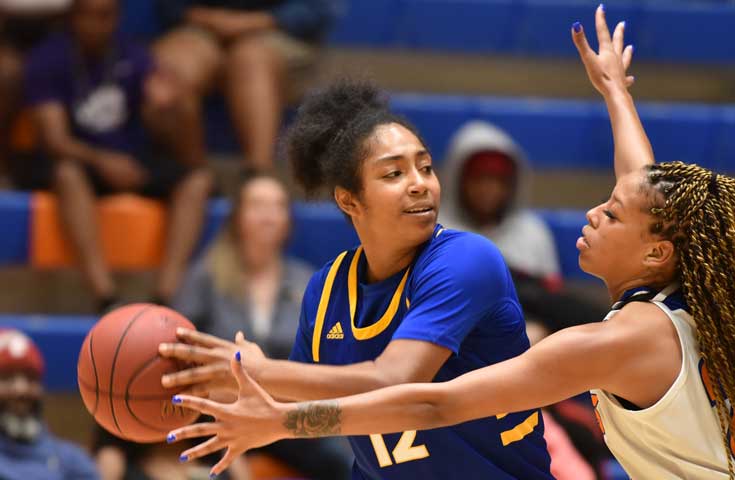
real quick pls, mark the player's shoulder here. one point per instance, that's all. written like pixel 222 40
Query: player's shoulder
pixel 639 324
pixel 449 245
pixel 319 277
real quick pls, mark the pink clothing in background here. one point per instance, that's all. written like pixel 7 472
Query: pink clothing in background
pixel 566 462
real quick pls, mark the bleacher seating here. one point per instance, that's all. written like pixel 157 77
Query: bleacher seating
pixel 556 133
pixel 673 30
pixel 133 229
pixel 678 31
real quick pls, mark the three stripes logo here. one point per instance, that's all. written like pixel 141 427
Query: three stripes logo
pixel 336 332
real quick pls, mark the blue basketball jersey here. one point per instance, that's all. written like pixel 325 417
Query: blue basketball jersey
pixel 458 294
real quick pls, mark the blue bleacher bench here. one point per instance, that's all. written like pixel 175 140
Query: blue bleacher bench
pixel 685 31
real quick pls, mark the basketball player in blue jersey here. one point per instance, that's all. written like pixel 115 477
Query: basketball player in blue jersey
pixel 661 367
pixel 413 303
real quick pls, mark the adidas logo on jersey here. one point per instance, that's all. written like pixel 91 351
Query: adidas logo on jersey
pixel 336 332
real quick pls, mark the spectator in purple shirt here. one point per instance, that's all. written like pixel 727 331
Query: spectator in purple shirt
pixel 110 121
pixel 23 24
pixel 258 50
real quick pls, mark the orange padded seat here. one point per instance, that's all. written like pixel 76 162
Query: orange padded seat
pixel 132 232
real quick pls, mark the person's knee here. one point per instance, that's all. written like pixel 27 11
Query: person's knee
pixel 253 53
pixel 191 56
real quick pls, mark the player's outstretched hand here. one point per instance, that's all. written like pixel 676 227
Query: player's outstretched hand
pixel 208 360
pixel 607 69
pixel 253 420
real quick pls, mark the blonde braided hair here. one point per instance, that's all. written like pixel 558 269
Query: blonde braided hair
pixel 697 215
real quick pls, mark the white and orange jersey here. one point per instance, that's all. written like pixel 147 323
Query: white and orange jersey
pixel 679 437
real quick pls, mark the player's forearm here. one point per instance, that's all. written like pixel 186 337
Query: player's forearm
pixel 632 148
pixel 68 148
pixel 300 381
pixel 418 406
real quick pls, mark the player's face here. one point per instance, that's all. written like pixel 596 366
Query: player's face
pixel 264 213
pixel 616 241
pixel 400 196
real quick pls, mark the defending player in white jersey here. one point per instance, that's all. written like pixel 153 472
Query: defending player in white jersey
pixel 661 368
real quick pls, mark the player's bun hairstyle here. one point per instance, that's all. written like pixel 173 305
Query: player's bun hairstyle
pixel 327 142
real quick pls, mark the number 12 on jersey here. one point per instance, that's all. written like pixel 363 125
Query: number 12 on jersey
pixel 404 451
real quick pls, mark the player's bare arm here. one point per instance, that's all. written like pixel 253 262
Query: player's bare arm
pixel 607 70
pixel 615 356
pixel 403 361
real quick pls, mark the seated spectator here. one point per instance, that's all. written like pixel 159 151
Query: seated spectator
pixel 110 122
pixel 23 24
pixel 245 283
pixel 27 449
pixel 258 51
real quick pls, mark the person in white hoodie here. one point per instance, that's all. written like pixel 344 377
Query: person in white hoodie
pixel 485 177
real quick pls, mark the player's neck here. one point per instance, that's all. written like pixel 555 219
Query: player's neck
pixel 384 263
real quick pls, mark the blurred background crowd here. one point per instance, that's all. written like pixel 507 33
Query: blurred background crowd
pixel 140 162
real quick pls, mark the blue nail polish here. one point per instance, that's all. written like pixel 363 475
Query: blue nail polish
pixel 237 356
pixel 602 7
pixel 184 458
pixel 212 475
pixel 176 399
pixel 577 27
pixel 170 438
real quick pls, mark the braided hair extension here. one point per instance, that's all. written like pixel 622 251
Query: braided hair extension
pixel 697 215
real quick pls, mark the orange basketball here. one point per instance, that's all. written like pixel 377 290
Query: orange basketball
pixel 119 373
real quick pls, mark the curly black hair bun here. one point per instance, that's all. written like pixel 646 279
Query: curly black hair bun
pixel 325 145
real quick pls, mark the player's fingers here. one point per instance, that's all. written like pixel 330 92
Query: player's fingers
pixel 201 405
pixel 247 385
pixel 188 352
pixel 240 338
pixel 627 57
pixel 580 41
pixel 203 449
pixel 618 37
pixel 193 376
pixel 603 34
pixel 240 376
pixel 204 339
pixel 196 391
pixel 230 455
pixel 194 431
pixel 629 81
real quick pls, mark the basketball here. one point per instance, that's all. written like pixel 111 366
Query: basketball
pixel 119 373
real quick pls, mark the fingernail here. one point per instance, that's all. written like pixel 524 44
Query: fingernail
pixel 176 399
pixel 602 7
pixel 623 22
pixel 237 356
pixel 632 49
pixel 184 458
pixel 212 475
pixel 577 27
pixel 170 438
